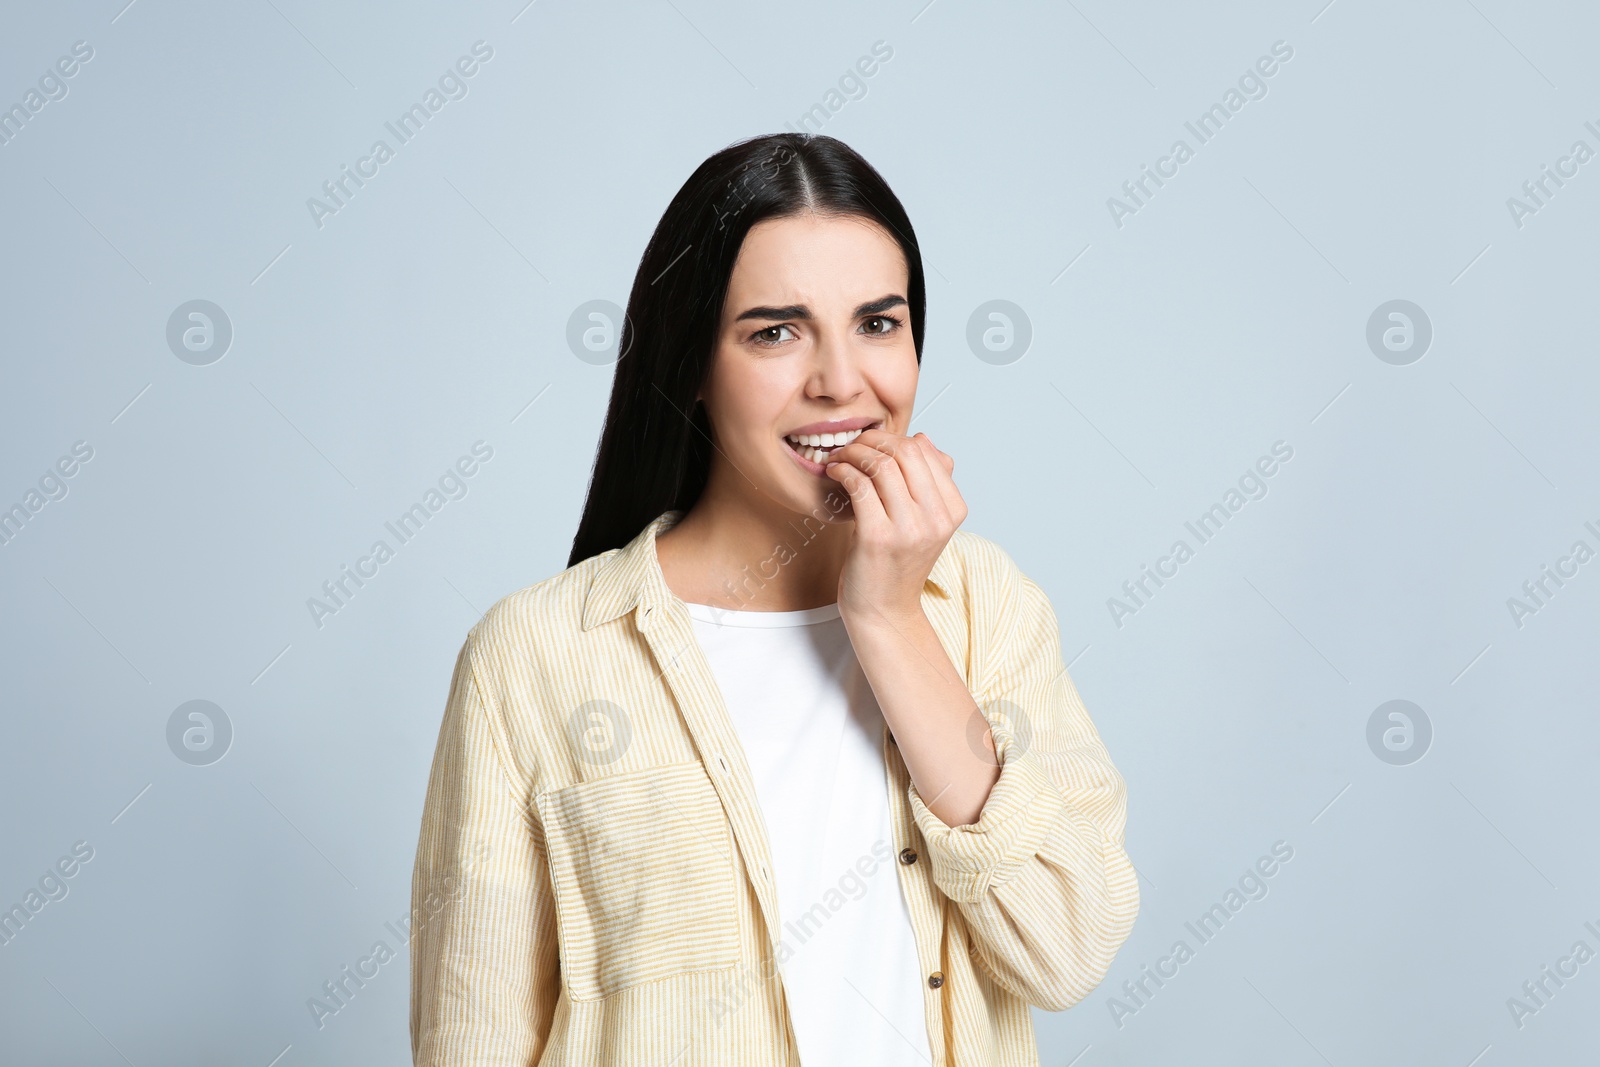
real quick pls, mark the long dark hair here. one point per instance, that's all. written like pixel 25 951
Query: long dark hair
pixel 655 450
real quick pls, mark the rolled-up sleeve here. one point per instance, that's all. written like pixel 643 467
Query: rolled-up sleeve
pixel 1041 877
pixel 484 961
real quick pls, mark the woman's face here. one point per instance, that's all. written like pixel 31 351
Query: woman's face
pixel 815 338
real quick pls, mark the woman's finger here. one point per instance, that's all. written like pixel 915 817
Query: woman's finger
pixel 912 455
pixel 865 505
pixel 882 467
pixel 940 471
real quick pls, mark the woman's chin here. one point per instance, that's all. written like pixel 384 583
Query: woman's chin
pixel 828 503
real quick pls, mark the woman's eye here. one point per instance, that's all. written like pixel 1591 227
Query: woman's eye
pixel 884 323
pixel 772 335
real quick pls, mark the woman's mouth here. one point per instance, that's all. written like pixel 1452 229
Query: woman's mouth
pixel 814 450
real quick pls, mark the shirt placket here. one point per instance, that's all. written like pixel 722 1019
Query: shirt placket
pixel 922 897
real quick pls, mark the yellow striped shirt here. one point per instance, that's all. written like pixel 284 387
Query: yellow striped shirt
pixel 592 882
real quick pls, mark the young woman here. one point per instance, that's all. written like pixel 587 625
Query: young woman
pixel 783 767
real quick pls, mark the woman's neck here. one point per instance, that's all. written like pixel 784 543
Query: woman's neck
pixel 743 558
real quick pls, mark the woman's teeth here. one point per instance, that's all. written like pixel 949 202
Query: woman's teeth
pixel 817 447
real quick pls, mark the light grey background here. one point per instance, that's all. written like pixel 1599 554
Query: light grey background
pixel 1167 355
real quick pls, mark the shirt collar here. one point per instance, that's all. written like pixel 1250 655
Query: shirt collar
pixel 631 576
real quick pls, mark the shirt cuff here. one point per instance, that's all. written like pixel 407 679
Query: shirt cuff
pixel 968 861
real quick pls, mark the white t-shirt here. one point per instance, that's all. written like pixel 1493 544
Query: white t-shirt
pixel 812 734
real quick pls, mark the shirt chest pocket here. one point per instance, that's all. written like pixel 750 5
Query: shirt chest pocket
pixel 644 876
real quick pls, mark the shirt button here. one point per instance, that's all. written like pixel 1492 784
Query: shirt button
pixel 936 979
pixel 907 856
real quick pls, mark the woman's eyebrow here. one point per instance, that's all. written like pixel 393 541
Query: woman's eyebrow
pixel 883 303
pixel 800 311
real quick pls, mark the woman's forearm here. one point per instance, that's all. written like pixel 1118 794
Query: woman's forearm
pixel 932 715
